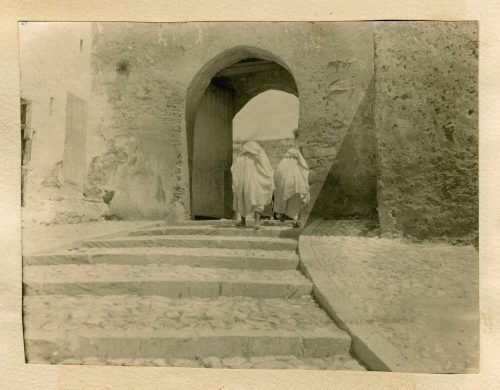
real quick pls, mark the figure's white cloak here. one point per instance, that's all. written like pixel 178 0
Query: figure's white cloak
pixel 253 182
pixel 292 184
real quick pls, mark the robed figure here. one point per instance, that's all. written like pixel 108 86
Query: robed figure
pixel 292 186
pixel 253 183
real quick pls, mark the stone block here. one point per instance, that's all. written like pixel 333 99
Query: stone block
pixel 177 347
pixel 299 290
pixel 184 363
pixel 235 362
pixel 325 152
pixel 312 162
pixel 254 290
pixel 326 345
pixel 318 175
pixel 212 362
pixel 276 344
pixel 308 152
pixel 222 345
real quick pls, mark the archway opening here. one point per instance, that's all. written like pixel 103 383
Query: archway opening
pixel 209 124
pixel 270 118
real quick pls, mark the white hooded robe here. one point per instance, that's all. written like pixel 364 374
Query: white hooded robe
pixel 253 183
pixel 292 184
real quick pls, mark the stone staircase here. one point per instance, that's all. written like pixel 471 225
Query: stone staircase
pixel 200 294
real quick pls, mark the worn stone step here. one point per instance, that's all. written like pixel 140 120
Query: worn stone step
pixel 210 230
pixel 125 326
pixel 164 280
pixel 198 241
pixel 272 362
pixel 195 257
pixel 225 222
pixel 55 347
pixel 133 312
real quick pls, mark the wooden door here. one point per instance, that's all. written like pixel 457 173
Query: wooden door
pixel 74 145
pixel 212 155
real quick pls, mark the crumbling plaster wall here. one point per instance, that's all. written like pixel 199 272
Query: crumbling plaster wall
pixel 426 112
pixel 54 61
pixel 141 76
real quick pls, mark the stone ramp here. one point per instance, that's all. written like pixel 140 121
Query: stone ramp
pixel 194 291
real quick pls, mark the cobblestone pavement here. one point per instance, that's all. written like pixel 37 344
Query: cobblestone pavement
pixel 128 312
pixel 219 252
pixel 339 362
pixel 107 272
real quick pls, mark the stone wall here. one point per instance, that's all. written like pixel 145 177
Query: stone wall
pixel 350 186
pixel 143 75
pixel 426 113
pixel 388 113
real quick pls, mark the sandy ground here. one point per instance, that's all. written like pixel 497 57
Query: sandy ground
pixel 422 298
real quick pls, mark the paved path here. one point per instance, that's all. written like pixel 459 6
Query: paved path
pixel 414 306
pixel 201 294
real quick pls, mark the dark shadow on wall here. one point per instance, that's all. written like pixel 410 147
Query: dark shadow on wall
pixel 350 187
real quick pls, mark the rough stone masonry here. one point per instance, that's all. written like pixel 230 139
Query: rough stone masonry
pixel 388 115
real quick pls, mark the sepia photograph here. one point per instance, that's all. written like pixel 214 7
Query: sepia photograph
pixel 251 195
